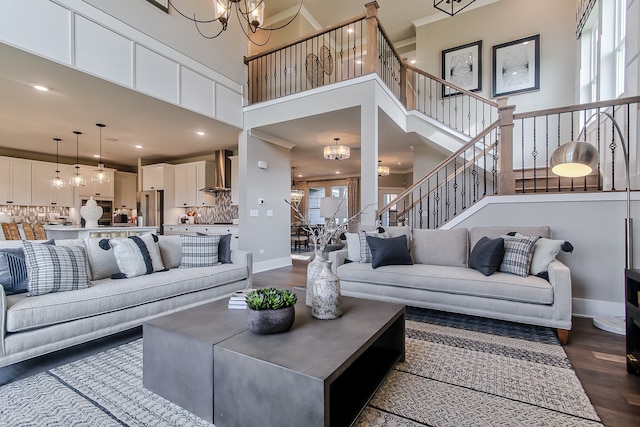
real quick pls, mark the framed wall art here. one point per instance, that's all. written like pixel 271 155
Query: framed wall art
pixel 516 66
pixel 162 4
pixel 462 66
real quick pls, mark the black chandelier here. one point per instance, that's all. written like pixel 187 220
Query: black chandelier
pixel 250 13
pixel 451 7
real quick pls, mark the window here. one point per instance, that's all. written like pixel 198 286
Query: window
pixel 620 30
pixel 315 194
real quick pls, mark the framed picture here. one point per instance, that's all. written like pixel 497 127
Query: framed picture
pixel 162 4
pixel 516 66
pixel 462 66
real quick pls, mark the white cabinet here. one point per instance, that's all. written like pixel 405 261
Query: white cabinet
pixel 41 192
pixel 189 179
pixel 124 187
pixel 15 181
pixel 155 177
pixel 206 229
pixel 94 189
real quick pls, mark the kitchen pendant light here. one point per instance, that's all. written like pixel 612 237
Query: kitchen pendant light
pixel 296 194
pixel 101 175
pixel 77 180
pixel 57 183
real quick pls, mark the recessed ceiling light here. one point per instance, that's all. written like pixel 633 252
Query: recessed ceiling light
pixel 138 146
pixel 40 88
pixel 413 61
pixel 96 156
pixel 200 133
pixel 358 62
pixel 350 30
pixel 337 172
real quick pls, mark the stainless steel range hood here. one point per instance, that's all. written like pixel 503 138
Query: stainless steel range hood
pixel 221 173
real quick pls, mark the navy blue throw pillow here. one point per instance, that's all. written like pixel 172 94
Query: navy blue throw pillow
pixel 13 271
pixel 392 251
pixel 486 256
pixel 224 249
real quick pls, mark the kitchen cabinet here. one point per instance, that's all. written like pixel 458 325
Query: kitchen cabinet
pixel 94 189
pixel 42 194
pixel 156 177
pixel 189 179
pixel 124 187
pixel 15 181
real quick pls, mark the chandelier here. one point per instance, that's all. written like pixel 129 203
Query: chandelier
pixel 250 13
pixel 383 170
pixel 336 151
pixel 451 7
pixel 57 183
pixel 296 194
pixel 77 180
pixel 101 175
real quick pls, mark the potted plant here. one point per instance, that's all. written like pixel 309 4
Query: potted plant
pixel 270 310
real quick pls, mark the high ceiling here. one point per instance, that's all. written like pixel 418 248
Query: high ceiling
pixel 77 101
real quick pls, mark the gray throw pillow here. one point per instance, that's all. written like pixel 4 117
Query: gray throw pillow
pixel 391 251
pixel 199 251
pixel 518 252
pixel 13 271
pixel 486 256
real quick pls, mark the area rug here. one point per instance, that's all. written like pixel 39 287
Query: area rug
pixel 459 371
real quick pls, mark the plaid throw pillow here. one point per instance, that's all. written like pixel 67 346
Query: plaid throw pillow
pixel 199 251
pixel 518 252
pixel 365 250
pixel 55 268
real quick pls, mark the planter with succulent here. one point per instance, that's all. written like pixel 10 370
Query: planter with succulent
pixel 270 310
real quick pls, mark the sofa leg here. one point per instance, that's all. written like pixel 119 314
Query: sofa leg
pixel 563 336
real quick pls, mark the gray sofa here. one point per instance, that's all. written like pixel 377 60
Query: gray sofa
pixel 442 280
pixel 34 325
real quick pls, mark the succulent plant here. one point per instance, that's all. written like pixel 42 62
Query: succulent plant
pixel 271 299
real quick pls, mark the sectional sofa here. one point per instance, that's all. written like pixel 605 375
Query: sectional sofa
pixel 440 279
pixel 34 325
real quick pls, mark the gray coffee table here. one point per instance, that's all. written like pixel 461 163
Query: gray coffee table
pixel 320 373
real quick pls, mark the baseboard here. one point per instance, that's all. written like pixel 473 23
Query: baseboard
pixel 271 264
pixel 593 308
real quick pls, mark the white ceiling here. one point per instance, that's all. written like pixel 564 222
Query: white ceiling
pixel 77 101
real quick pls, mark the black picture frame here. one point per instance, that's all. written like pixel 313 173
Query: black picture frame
pixel 160 4
pixel 516 66
pixel 462 67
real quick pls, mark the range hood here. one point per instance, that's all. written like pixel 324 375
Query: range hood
pixel 221 173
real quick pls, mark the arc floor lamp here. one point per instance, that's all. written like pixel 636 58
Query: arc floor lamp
pixel 577 159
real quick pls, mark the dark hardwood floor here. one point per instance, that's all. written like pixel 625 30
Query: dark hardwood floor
pixel 597 357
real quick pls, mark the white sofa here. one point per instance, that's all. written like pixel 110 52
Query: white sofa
pixel 448 284
pixel 34 325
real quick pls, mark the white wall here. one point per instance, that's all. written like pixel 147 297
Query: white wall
pixel 592 222
pixel 505 21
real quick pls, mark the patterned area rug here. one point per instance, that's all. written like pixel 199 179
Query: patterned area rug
pixel 459 371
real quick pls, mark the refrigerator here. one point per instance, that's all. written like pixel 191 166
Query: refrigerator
pixel 150 206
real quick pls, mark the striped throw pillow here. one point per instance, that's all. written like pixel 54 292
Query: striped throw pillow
pixel 13 271
pixel 136 255
pixel 518 252
pixel 199 251
pixel 55 268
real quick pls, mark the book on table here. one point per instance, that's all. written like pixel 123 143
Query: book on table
pixel 238 299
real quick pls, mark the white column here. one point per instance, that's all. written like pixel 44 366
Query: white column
pixel 369 162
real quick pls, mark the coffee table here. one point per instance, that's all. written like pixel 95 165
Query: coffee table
pixel 320 373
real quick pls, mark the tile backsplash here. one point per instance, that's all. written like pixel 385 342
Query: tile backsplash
pixel 34 214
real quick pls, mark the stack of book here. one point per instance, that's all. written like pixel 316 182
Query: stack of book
pixel 238 299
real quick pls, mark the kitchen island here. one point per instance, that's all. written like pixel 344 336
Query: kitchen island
pixel 77 232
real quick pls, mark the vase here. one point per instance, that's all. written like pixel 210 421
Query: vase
pixel 313 268
pixel 91 213
pixel 326 294
pixel 265 322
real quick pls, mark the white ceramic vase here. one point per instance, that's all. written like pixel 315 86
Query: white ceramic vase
pixel 326 294
pixel 313 268
pixel 91 213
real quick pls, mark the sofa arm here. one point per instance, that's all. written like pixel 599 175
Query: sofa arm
pixel 560 279
pixel 244 258
pixel 337 258
pixel 3 319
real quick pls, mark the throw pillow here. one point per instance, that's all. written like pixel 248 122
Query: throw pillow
pixel 135 255
pixel 486 256
pixel 55 268
pixel 102 263
pixel 389 251
pixel 353 246
pixel 199 251
pixel 224 247
pixel 544 252
pixel 13 271
pixel 365 250
pixel 518 252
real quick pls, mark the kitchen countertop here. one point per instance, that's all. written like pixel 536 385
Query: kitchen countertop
pixel 99 228
pixel 216 224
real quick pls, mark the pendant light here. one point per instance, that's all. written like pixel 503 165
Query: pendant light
pixel 101 175
pixel 77 180
pixel 57 183
pixel 336 151
pixel 296 194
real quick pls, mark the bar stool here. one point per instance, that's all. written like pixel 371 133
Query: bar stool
pixel 10 230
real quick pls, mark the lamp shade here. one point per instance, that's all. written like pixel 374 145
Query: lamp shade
pixel 333 207
pixel 336 151
pixel 574 159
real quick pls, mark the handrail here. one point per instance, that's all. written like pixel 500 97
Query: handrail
pixel 446 83
pixel 388 40
pixel 578 107
pixel 436 169
pixel 304 38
